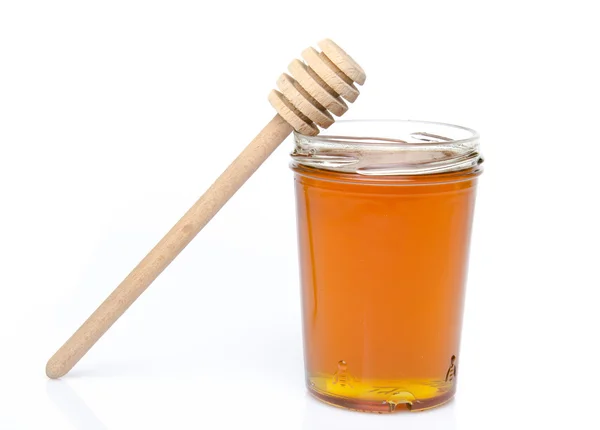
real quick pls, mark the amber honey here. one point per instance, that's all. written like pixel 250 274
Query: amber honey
pixel 383 265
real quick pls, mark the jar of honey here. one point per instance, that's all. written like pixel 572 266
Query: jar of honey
pixel 384 213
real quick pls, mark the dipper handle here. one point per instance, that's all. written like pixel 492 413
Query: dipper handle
pixel 302 103
pixel 169 247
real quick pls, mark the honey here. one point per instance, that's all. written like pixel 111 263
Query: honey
pixel 383 267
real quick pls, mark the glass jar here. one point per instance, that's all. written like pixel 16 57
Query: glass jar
pixel 384 228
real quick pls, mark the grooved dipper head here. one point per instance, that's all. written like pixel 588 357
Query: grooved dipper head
pixel 317 87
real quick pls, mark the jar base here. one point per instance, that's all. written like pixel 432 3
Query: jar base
pixel 396 400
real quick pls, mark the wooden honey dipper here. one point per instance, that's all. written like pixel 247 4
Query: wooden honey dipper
pixel 302 105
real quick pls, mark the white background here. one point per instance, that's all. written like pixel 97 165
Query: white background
pixel 116 115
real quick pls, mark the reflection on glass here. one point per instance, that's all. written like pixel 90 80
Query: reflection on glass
pixel 72 406
pixel 318 416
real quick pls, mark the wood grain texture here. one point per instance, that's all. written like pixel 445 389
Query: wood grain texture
pixel 293 116
pixel 343 61
pixel 329 73
pixel 311 108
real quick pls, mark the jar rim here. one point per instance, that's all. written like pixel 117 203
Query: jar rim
pixel 323 135
pixel 378 147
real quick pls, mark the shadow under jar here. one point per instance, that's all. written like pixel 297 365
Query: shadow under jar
pixel 384 229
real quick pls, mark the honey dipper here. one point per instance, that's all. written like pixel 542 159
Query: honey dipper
pixel 303 104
